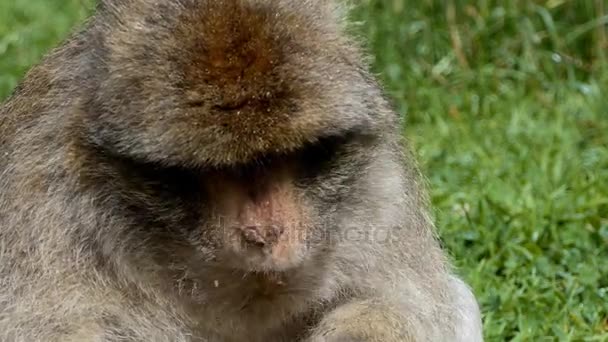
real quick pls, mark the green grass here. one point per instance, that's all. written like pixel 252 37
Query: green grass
pixel 507 106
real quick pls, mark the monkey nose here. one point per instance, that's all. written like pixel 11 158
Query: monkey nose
pixel 260 236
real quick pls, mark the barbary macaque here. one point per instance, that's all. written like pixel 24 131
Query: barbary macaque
pixel 216 171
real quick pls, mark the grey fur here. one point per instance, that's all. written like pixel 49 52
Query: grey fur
pixel 103 239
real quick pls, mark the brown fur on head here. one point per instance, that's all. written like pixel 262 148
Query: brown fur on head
pixel 225 82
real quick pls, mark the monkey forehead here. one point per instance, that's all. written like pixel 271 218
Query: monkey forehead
pixel 230 53
pixel 223 81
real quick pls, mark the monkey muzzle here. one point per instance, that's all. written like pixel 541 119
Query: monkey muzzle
pixel 262 218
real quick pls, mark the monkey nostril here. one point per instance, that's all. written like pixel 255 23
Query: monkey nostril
pixel 273 234
pixel 262 236
pixel 278 231
pixel 253 236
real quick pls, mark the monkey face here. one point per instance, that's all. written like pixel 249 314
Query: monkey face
pixel 276 213
pixel 273 214
pixel 237 139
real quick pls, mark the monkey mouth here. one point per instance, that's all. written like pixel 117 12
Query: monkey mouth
pixel 277 255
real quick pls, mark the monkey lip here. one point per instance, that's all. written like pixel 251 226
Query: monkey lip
pixel 257 262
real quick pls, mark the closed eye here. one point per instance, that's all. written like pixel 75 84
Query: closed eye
pixel 320 157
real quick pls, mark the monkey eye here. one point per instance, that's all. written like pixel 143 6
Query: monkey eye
pixel 320 156
pixel 160 178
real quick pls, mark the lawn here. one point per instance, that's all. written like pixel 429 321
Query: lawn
pixel 507 106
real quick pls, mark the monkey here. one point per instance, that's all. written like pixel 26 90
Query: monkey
pixel 216 171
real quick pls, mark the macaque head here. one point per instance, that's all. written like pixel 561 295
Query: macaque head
pixel 242 131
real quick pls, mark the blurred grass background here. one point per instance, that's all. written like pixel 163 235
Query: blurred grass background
pixel 507 106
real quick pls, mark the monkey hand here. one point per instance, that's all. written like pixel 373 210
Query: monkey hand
pixel 397 318
pixel 367 321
